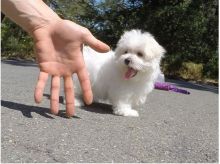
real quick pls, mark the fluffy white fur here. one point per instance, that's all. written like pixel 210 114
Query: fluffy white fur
pixel 125 77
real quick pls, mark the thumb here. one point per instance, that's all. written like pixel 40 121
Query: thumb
pixel 94 43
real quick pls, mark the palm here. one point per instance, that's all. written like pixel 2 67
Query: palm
pixel 59 53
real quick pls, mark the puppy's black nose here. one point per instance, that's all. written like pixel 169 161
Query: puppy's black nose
pixel 127 61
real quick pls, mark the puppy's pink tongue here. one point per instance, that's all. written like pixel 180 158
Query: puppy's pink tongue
pixel 130 73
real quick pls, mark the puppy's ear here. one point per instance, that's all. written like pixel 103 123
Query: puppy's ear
pixel 117 52
pixel 157 50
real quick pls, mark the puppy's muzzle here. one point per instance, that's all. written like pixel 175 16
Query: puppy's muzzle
pixel 127 61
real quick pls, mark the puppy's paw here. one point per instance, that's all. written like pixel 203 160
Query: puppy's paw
pixel 79 103
pixel 128 112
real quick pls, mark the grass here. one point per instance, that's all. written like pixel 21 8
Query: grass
pixel 188 71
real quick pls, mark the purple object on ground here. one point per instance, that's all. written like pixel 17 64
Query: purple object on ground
pixel 169 87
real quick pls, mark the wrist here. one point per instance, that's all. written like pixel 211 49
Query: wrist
pixel 44 17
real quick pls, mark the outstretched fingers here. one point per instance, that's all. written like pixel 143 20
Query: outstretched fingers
pixel 39 89
pixel 69 95
pixel 85 85
pixel 95 43
pixel 55 90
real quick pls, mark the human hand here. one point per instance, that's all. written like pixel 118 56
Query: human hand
pixel 58 48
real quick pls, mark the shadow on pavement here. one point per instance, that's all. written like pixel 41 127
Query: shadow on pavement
pixel 62 113
pixel 94 107
pixel 26 110
pixel 20 63
pixel 190 85
pixel 99 108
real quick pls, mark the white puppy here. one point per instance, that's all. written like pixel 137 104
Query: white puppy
pixel 125 77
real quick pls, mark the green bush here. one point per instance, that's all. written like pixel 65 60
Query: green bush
pixel 15 43
pixel 172 64
pixel 211 68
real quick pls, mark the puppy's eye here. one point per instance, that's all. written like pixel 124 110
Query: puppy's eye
pixel 126 52
pixel 140 54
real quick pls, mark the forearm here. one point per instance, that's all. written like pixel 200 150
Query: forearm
pixel 29 14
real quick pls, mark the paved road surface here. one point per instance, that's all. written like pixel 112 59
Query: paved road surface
pixel 172 127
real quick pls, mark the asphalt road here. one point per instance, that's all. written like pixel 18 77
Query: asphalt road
pixel 172 127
